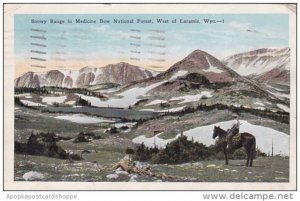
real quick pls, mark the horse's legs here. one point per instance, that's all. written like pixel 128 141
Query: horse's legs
pixel 252 152
pixel 248 157
pixel 227 156
pixel 225 150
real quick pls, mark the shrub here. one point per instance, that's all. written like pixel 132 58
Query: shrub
pixel 129 150
pixel 18 101
pixel 259 153
pixel 239 154
pixel 20 147
pixel 164 105
pixel 204 97
pixel 86 137
pixel 142 153
pixel 43 144
pixel 81 138
pixel 178 151
pixel 56 104
pixel 113 130
pixel 196 78
pixel 82 102
pixel 75 157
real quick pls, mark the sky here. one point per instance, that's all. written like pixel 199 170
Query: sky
pixel 149 45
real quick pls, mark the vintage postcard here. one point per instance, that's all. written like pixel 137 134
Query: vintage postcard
pixel 150 96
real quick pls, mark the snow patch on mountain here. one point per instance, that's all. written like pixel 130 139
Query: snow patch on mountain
pixel 128 124
pixel 155 102
pixel 31 103
pixel 83 119
pixel 274 88
pixel 259 61
pixel 22 95
pixel 192 98
pixel 130 96
pixel 54 99
pixel 283 107
pixel 212 68
pixel 73 74
pixel 178 74
pixel 176 109
pixel 259 103
pixel 279 95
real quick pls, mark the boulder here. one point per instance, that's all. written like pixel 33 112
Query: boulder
pixel 33 176
pixel 112 176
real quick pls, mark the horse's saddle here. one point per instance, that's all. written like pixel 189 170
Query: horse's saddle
pixel 236 138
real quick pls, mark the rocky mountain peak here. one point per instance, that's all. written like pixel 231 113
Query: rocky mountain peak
pixel 205 64
pixel 197 53
pixel 85 69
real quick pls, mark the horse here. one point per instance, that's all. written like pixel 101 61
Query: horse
pixel 247 140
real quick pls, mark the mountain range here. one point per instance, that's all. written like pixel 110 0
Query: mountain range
pixel 199 78
pixel 120 73
pixel 264 65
